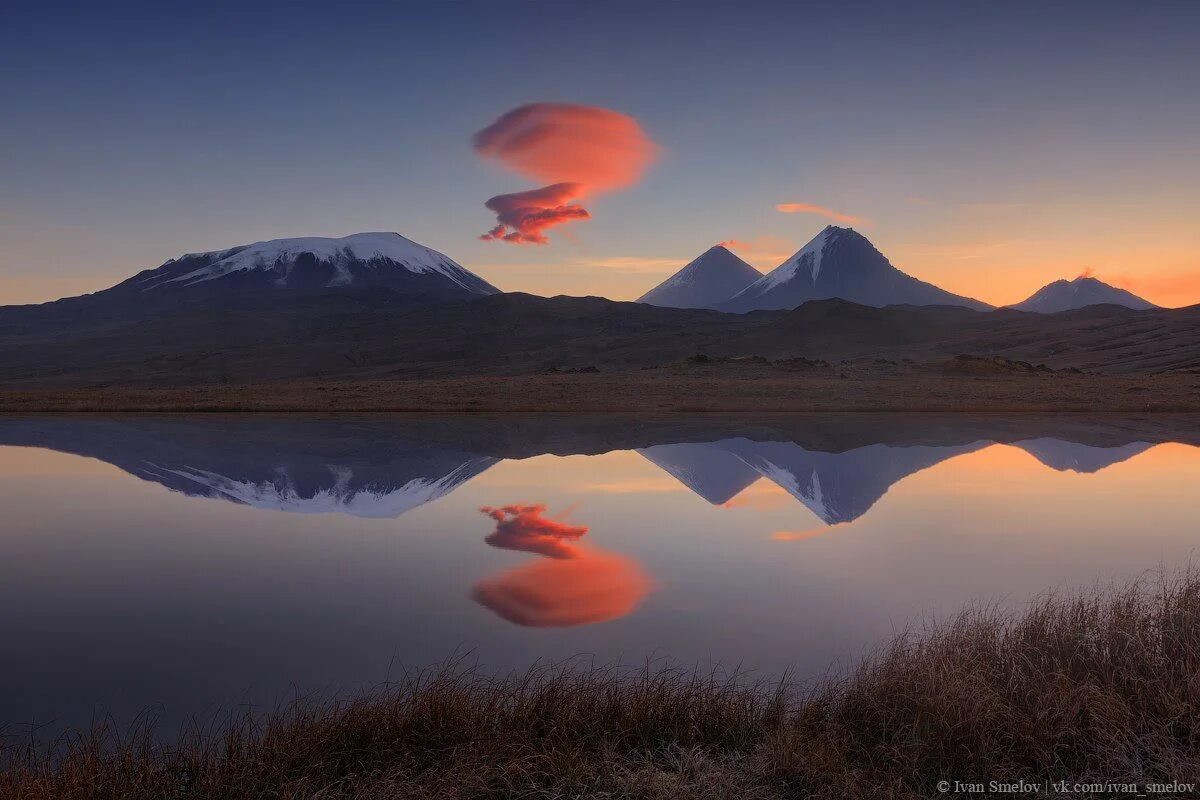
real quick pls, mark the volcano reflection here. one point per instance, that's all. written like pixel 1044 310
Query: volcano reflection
pixel 383 467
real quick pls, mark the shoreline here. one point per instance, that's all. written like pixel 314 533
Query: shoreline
pixel 1093 685
pixel 742 389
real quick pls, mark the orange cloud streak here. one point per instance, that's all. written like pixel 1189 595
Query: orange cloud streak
pixel 808 208
pixel 586 148
pixel 799 536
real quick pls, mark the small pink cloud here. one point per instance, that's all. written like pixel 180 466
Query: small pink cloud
pixel 809 208
pixel 526 527
pixel 523 216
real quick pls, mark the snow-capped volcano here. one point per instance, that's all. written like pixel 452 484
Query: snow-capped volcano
pixel 715 276
pixel 275 269
pixel 836 486
pixel 840 262
pixel 1064 295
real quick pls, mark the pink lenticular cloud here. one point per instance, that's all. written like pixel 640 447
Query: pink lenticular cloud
pixel 594 587
pixel 522 216
pixel 809 208
pixel 579 150
pixel 577 585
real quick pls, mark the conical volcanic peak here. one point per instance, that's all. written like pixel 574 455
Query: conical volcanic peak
pixel 715 276
pixel 841 263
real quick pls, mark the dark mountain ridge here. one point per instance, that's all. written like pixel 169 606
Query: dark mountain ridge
pixel 366 337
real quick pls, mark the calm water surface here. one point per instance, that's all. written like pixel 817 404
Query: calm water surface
pixel 198 562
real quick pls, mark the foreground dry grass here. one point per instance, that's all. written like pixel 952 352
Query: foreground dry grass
pixel 1103 686
pixel 676 388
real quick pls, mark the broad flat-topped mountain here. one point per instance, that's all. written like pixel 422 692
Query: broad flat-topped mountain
pixel 841 263
pixel 279 270
pixel 712 278
pixel 1084 291
pixel 293 465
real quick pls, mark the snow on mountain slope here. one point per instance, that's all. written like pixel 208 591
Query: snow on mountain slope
pixel 716 275
pixel 342 493
pixel 841 263
pixel 282 253
pixel 308 265
pixel 1064 295
pixel 809 258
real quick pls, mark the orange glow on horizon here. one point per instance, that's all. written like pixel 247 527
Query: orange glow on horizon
pixel 1007 271
pixel 762 495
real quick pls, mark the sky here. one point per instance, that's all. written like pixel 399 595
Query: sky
pixel 987 148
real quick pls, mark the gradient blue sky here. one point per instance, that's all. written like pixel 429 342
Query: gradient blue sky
pixel 989 148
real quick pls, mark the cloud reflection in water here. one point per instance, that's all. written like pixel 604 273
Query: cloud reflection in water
pixel 577 585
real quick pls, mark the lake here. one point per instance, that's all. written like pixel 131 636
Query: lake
pixel 192 563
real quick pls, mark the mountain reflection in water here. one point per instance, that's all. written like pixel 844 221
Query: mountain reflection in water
pixel 203 561
pixel 837 466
